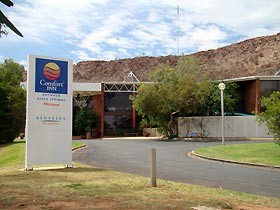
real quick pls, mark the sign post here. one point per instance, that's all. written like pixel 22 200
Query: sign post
pixel 49 111
pixel 222 87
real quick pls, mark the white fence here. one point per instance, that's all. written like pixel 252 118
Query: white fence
pixel 210 126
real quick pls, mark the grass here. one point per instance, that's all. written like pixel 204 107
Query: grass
pixel 84 187
pixel 259 153
pixel 13 154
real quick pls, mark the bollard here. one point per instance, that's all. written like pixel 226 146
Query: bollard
pixel 153 170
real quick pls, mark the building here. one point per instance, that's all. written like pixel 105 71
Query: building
pixel 252 89
pixel 112 103
pixel 244 124
pixel 116 117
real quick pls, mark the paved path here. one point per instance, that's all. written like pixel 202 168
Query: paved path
pixel 132 156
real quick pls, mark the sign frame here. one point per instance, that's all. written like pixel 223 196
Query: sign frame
pixel 49 111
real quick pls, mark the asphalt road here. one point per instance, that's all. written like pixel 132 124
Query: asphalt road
pixel 133 156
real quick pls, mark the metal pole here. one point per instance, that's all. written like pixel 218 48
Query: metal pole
pixel 223 122
pixel 153 171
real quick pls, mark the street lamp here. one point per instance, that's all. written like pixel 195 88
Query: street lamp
pixel 222 86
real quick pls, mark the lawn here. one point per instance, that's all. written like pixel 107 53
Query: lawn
pixel 84 187
pixel 12 155
pixel 259 153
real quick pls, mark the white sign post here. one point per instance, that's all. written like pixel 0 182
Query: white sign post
pixel 49 111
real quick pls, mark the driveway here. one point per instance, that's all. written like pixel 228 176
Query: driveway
pixel 133 156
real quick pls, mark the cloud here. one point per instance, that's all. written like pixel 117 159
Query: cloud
pixel 108 32
pixel 81 54
pixel 40 20
pixel 104 29
pixel 241 17
pixel 2 59
pixel 203 38
pixel 24 63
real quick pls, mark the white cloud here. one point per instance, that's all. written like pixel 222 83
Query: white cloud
pixel 106 32
pixel 24 63
pixel 41 20
pixel 241 17
pixel 82 55
pixel 104 29
pixel 108 55
pixel 203 38
pixel 2 59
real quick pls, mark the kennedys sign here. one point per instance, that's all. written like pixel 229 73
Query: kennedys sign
pixel 49 111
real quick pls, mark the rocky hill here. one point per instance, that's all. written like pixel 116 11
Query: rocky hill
pixel 258 56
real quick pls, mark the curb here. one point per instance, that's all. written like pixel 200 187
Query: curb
pixel 79 147
pixel 227 139
pixel 192 153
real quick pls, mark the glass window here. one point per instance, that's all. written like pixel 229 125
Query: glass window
pixel 117 102
pixel 118 125
pixel 118 121
pixel 267 87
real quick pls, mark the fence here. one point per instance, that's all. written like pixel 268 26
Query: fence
pixel 210 126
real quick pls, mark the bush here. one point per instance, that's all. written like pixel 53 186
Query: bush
pixel 85 120
pixel 271 115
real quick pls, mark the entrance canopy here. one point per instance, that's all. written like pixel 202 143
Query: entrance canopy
pixel 86 89
pixel 82 92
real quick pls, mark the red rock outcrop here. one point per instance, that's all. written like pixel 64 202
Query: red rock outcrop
pixel 253 57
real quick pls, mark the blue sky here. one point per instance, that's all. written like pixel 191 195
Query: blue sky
pixel 116 29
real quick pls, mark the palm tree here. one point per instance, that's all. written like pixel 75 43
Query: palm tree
pixel 4 21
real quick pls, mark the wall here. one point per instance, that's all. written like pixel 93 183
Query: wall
pixel 249 96
pixel 98 109
pixel 210 126
pixel 153 132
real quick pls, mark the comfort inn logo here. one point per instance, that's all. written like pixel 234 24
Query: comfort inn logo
pixel 51 76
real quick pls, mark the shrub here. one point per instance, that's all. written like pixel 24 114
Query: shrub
pixel 271 115
pixel 85 120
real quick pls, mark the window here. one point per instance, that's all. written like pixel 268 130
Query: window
pixel 268 86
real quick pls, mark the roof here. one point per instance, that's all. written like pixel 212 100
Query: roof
pixel 86 86
pixel 240 79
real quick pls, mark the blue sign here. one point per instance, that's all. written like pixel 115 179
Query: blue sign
pixel 51 76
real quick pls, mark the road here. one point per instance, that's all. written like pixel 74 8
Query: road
pixel 133 156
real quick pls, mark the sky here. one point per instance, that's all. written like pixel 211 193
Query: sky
pixel 116 29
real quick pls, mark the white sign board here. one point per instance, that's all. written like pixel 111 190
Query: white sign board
pixel 49 111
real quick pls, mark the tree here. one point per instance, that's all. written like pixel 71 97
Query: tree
pixel 271 115
pixel 213 103
pixel 12 100
pixel 175 90
pixel 4 21
pixel 181 91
